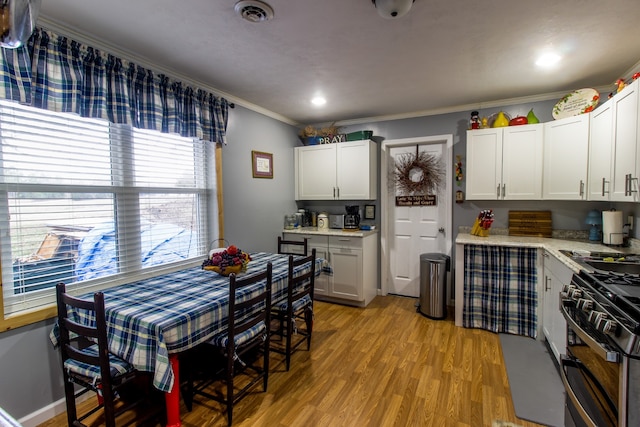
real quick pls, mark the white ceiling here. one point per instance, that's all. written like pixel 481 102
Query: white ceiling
pixel 444 55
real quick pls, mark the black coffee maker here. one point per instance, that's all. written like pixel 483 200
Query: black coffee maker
pixel 352 218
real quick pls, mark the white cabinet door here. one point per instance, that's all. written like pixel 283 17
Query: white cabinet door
pixel 321 285
pixel 522 162
pixel 346 282
pixel 484 164
pixel 566 151
pixel 356 170
pixel 554 325
pixel 315 171
pixel 505 163
pixel 343 171
pixel 625 155
pixel 600 149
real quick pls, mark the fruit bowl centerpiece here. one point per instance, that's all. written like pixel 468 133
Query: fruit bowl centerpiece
pixel 225 261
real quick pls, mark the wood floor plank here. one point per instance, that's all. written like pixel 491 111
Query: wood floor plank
pixel 384 365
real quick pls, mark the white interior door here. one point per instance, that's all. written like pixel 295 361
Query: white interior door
pixel 414 230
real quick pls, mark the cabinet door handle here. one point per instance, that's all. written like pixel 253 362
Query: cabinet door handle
pixel 581 188
pixel 626 184
pixel 498 191
pixel 334 192
pixel 603 184
pixel 546 284
pixel 503 190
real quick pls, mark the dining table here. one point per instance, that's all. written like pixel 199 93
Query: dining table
pixel 151 321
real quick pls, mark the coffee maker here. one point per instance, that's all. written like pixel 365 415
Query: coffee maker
pixel 352 218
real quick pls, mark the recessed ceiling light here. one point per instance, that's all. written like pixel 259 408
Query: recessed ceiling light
pixel 548 59
pixel 318 101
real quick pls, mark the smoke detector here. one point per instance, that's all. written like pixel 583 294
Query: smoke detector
pixel 254 10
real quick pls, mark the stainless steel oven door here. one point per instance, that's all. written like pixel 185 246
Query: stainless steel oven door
pixel 591 374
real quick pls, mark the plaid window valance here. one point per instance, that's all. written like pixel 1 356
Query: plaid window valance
pixel 55 73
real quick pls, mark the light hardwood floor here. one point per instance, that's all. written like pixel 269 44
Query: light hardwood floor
pixel 384 365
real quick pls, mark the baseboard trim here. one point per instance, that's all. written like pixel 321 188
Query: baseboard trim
pixel 53 409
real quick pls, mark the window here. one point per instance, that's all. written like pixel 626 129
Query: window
pixel 95 204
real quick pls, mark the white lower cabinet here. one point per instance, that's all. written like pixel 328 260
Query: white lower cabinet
pixel 554 325
pixel 352 276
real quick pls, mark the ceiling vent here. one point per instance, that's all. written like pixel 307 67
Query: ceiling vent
pixel 254 11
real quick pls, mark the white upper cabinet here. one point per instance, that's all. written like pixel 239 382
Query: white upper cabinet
pixel 600 150
pixel 342 171
pixel 505 163
pixel 624 185
pixel 566 153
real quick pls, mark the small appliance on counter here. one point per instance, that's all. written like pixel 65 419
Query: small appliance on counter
pixel 336 221
pixel 352 218
pixel 323 221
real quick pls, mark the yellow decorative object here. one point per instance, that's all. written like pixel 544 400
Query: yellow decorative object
pixel 225 271
pixel 501 121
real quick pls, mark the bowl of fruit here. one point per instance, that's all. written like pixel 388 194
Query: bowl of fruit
pixel 225 261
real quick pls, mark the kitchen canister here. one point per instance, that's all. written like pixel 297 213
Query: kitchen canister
pixel 323 221
pixel 612 228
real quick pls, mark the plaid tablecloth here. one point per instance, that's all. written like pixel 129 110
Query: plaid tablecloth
pixel 171 313
pixel 500 289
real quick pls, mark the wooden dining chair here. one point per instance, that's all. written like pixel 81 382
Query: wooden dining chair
pixel 88 366
pixel 287 247
pixel 297 310
pixel 243 346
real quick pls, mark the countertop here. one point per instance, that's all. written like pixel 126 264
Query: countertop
pixel 331 232
pixel 553 246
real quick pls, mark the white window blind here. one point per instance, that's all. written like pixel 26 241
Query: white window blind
pixel 94 204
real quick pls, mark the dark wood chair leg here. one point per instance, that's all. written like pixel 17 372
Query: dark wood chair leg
pixel 308 318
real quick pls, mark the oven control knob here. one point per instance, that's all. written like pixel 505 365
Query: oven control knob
pixel 575 293
pixel 585 304
pixel 609 327
pixel 595 317
pixel 567 289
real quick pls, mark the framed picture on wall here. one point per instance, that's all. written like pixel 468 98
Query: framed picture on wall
pixel 369 211
pixel 262 164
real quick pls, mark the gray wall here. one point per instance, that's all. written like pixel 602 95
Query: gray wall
pixel 253 213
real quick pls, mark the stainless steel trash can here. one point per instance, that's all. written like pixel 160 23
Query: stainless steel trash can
pixel 433 285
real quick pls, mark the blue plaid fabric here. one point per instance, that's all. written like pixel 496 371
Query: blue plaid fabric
pixel 54 73
pixel 500 289
pixel 221 340
pixel 151 318
pixel 117 365
pixel 297 304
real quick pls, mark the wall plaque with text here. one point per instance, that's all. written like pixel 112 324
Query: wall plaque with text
pixel 425 200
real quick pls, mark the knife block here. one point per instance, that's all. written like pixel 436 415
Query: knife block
pixel 476 230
